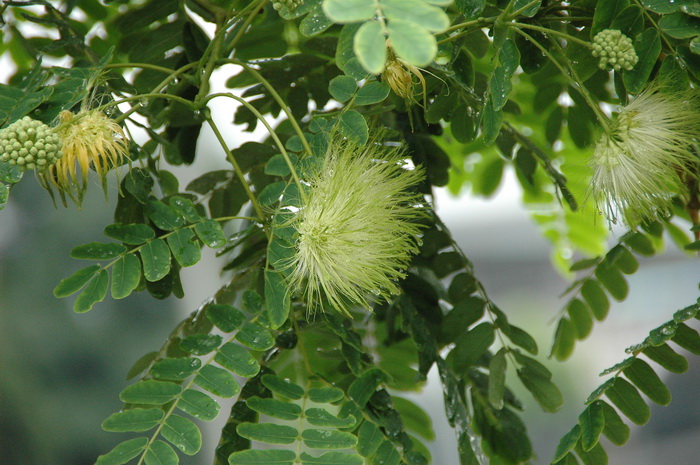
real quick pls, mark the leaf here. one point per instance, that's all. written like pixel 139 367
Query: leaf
pixel 277 165
pixel 412 42
pixel 667 358
pixel 605 13
pixel 184 247
pixel 200 344
pixel 262 457
pixel 133 420
pixel 155 256
pixel 94 292
pixel 237 359
pixel 150 392
pixel 416 11
pixel 596 299
pixel 353 126
pixel 342 88
pixel 126 275
pixel 592 422
pixel 315 22
pixel 217 381
pixel 175 369
pixel 328 439
pixel 646 379
pixel 277 299
pixel 371 93
pixel 282 387
pixel 386 455
pixel 564 339
pixel 184 207
pixel 369 438
pixel 369 45
pixel 687 338
pixel 163 216
pixel 225 317
pixel 160 453
pixel 640 244
pixel 471 8
pixel 628 400
pixel 274 408
pixel 331 458
pixel 365 385
pixel 268 433
pixel 349 11
pixel 75 282
pixel 545 392
pixel 567 443
pixel 325 395
pixel 141 365
pixel 97 251
pixel 615 429
pixel 679 25
pixel 134 234
pixel 198 404
pixel 521 338
pixel 648 47
pixel 497 378
pixel 414 418
pixel 580 318
pixel 124 452
pixel 613 281
pixel 183 434
pixel 272 193
pixel 210 232
pixel 255 337
pixel 471 346
pixel 321 417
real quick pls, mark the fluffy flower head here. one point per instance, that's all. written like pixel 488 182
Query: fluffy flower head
pixel 89 140
pixel 639 164
pixel 357 228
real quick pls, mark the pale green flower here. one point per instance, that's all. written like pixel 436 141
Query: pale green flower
pixel 640 163
pixel 357 228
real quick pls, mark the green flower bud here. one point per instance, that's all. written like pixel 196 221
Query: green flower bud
pixel 614 50
pixel 27 141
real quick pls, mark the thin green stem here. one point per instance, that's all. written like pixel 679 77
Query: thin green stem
pixel 572 77
pixel 231 46
pixel 150 66
pixel 546 30
pixel 239 173
pixel 273 134
pixel 280 101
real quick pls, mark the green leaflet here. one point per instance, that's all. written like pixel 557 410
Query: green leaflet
pixel 175 369
pixel 184 247
pixel 328 439
pixel 97 251
pixel 129 233
pixel 123 452
pixel 217 381
pixel 75 282
pixel 126 275
pixel 160 453
pixel 262 457
pixel 136 420
pixel 183 434
pixel 198 404
pixel 268 433
pixel 150 392
pixel 155 256
pixel 237 359
pixel 94 292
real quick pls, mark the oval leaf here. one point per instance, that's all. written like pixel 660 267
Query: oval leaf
pixel 134 420
pixel 155 256
pixel 150 392
pixel 369 45
pixel 94 292
pixel 126 274
pixel 183 434
pixel 412 42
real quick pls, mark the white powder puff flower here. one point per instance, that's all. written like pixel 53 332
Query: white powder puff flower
pixel 639 164
pixel 357 228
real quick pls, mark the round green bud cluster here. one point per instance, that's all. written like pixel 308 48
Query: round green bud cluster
pixel 290 4
pixel 614 49
pixel 29 144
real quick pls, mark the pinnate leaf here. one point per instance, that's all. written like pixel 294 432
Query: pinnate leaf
pixel 123 452
pixel 150 392
pixel 133 420
pixel 183 434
